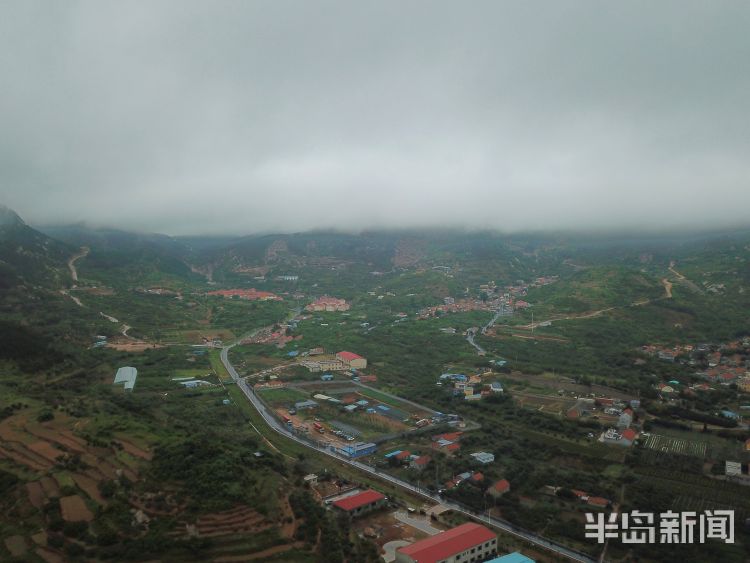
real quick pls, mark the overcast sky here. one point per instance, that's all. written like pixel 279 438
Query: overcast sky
pixel 238 117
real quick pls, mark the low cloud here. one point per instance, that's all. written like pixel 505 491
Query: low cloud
pixel 236 117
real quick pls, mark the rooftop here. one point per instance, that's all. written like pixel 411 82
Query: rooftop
pixel 349 356
pixel 515 557
pixel 355 501
pixel 445 544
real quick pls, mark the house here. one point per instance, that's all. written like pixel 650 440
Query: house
pixel 311 479
pixel 747 445
pixel 732 468
pixel 361 503
pixel 448 436
pixel 628 436
pixel 327 377
pixel 126 376
pixel 625 420
pixel 496 387
pixel 419 463
pixel 302 405
pixel 352 360
pixel 663 388
pixel 468 542
pixel 515 557
pixel 477 477
pixel 499 488
pixel 483 457
pixel 403 456
pixel 600 502
pixel 357 449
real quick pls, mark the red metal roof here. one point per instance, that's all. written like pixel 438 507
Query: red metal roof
pixel 598 501
pixel 349 356
pixel 629 434
pixel 360 499
pixel 444 545
pixel 502 485
pixel 450 436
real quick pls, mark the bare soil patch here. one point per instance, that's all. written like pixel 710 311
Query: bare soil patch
pixel 90 487
pixel 46 450
pixel 36 494
pixel 50 486
pixel 74 509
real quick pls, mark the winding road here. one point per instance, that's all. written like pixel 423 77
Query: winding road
pixel 500 524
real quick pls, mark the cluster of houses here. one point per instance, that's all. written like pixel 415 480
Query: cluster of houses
pixel 722 364
pixel 471 388
pixel 327 303
pixel 279 337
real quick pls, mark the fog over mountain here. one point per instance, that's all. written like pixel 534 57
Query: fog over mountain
pixel 236 117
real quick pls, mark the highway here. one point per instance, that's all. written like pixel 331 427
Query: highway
pixel 503 525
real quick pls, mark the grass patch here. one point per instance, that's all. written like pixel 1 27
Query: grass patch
pixel 214 357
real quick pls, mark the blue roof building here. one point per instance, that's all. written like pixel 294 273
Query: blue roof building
pixel 515 557
pixel 358 449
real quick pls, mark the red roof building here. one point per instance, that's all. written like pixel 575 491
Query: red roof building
pixel 451 544
pixel 477 476
pixel 360 503
pixel 420 462
pixel 629 434
pixel 499 488
pixel 352 360
pixel 451 437
pixel 403 455
pixel 452 448
pixel 598 501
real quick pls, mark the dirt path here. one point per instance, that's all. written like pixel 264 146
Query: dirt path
pixel 667 288
pixel 72 262
pixel 675 272
pixel 73 297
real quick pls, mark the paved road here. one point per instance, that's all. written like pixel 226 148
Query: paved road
pixel 422 524
pixel 503 525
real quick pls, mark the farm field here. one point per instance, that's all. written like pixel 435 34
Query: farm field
pixel 674 445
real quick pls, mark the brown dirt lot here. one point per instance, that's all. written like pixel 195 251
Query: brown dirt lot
pixel 90 487
pixel 74 509
pixel 46 450
pixel 58 436
pixel 36 494
pixel 50 486
pixel 18 453
pixel 133 346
